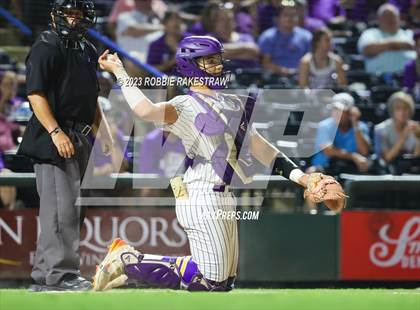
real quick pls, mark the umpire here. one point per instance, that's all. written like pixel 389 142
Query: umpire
pixel 62 88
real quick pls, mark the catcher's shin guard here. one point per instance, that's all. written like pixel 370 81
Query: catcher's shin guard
pixel 160 271
pixel 169 272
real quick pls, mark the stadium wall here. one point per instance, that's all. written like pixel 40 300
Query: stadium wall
pixel 355 246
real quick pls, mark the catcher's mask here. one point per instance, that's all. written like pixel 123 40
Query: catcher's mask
pixel 83 14
pixel 199 56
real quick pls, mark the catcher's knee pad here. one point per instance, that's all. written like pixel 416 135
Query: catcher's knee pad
pixel 160 271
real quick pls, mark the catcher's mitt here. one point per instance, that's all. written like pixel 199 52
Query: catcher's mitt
pixel 326 189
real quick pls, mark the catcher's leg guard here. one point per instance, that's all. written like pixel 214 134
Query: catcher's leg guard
pixel 160 271
pixel 168 272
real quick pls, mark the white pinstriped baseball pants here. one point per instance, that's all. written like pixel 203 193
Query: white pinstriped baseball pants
pixel 213 241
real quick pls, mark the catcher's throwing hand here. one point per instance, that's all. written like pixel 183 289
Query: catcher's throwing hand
pixel 326 189
pixel 110 62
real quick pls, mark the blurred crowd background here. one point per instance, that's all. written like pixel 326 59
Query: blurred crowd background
pixel 367 52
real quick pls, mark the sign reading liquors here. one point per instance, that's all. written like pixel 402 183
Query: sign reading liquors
pixel 150 231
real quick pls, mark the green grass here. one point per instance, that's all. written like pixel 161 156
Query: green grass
pixel 290 299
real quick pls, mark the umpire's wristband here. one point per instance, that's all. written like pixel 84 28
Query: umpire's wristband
pixel 55 131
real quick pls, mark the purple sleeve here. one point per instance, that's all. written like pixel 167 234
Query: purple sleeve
pixel 410 75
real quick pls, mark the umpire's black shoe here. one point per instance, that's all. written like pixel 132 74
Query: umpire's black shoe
pixel 74 283
pixel 68 283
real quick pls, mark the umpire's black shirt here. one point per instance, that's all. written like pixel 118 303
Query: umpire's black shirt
pixel 67 78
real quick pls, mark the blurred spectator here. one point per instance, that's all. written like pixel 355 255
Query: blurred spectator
pixel 306 21
pixel 403 6
pixel 283 46
pixel 347 151
pixel 267 12
pixel 7 193
pixel 361 10
pixel 203 26
pixel 162 51
pixel 161 153
pixel 329 11
pixel 239 48
pixel 137 28
pixel 413 19
pixel 412 70
pixel 8 133
pixel 389 47
pixel 365 10
pixel 121 6
pixel 398 135
pixel 245 13
pixel 9 102
pixel 321 68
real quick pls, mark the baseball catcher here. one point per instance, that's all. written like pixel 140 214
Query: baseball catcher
pixel 221 147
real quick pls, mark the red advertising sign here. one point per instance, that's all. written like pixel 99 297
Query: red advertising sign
pixel 380 245
pixel 148 230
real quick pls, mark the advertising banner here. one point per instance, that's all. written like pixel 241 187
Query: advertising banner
pixel 154 231
pixel 380 245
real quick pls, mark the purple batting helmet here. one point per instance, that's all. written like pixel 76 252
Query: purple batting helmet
pixel 193 47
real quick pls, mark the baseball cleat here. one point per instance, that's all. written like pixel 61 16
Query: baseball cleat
pixel 110 272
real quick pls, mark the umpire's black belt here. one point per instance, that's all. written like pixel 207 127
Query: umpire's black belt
pixel 84 129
